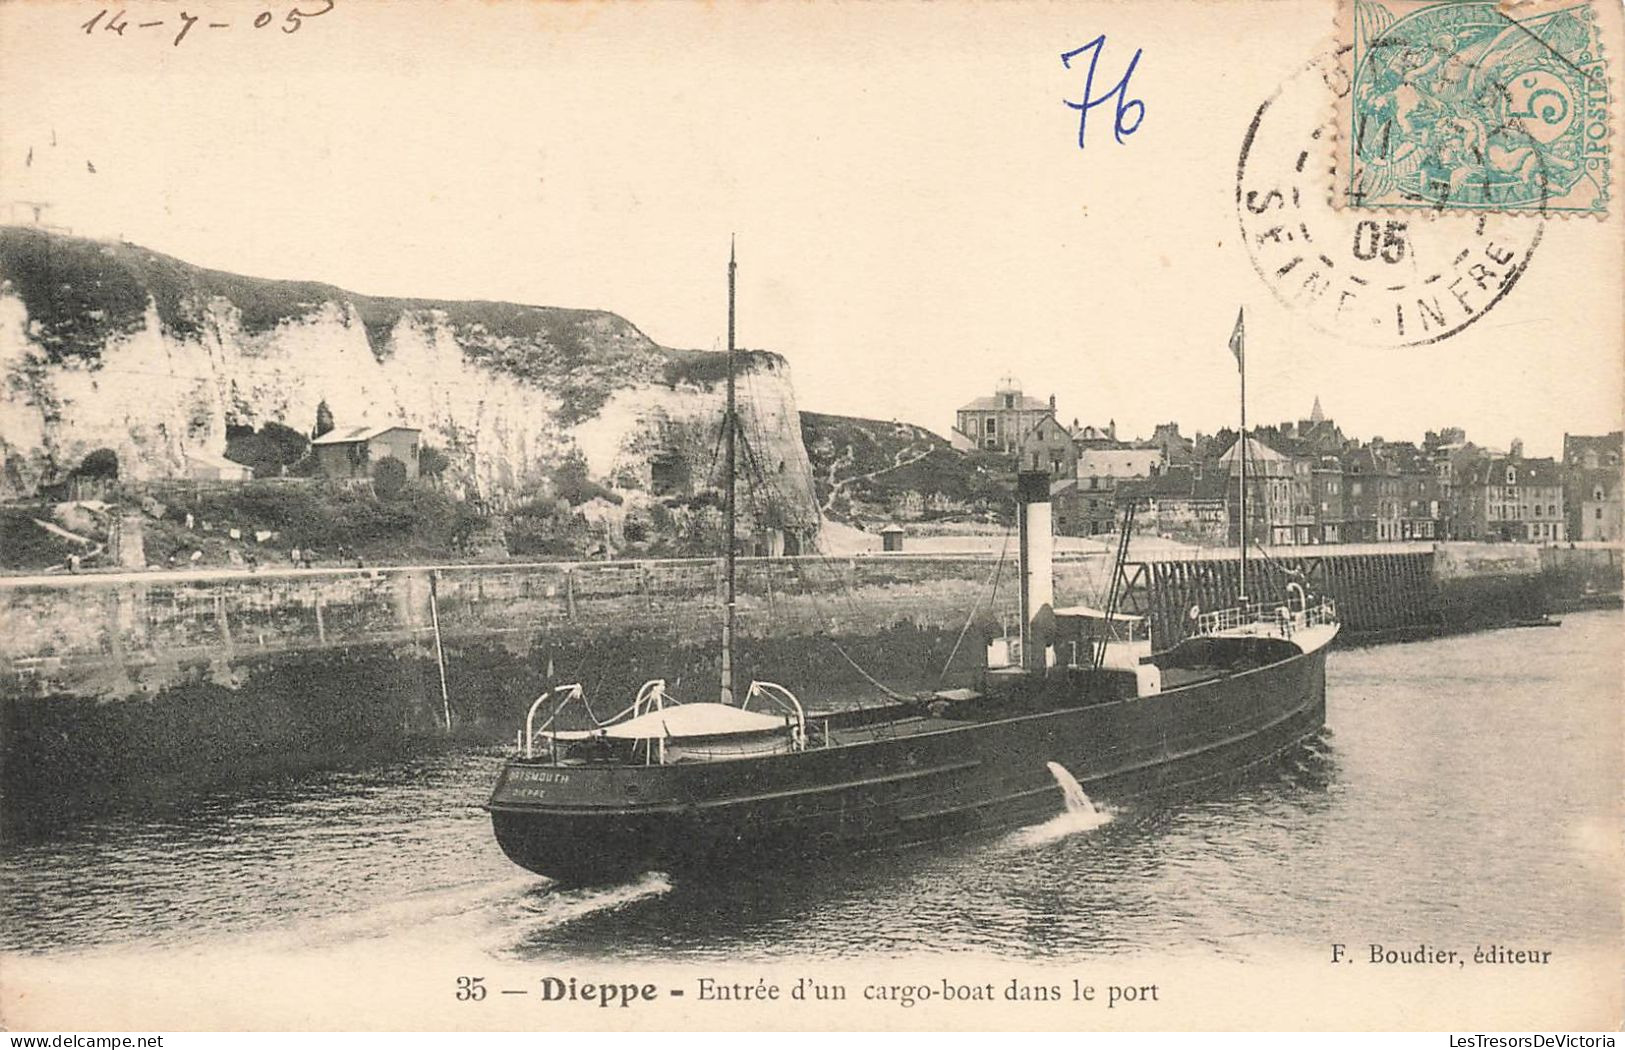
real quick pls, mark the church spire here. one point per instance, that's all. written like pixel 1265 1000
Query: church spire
pixel 1315 414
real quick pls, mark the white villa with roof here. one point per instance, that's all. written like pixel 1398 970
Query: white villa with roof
pixel 1000 423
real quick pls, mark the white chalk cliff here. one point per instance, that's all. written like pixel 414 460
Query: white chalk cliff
pixel 106 345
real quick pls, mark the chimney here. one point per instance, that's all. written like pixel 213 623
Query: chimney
pixel 1052 404
pixel 1037 574
pixel 1517 448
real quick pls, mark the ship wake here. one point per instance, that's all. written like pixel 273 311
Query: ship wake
pixel 541 910
pixel 555 907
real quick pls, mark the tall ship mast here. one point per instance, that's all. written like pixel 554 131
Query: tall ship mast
pixel 730 428
pixel 1238 346
pixel 757 779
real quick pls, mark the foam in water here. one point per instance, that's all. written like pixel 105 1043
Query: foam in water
pixel 545 908
pixel 1080 814
pixel 391 918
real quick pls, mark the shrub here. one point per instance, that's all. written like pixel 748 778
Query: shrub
pixel 544 508
pixel 269 451
pixel 420 517
pixel 571 482
pixel 101 463
pixel 388 477
pixel 432 462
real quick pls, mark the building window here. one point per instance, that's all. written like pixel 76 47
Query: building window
pixel 1512 476
pixel 988 426
pixel 1009 401
pixel 1596 494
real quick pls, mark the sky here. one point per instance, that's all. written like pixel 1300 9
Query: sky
pixel 915 218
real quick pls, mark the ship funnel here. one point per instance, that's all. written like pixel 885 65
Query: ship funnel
pixel 1037 573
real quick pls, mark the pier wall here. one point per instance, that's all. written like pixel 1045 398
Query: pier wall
pixel 139 681
pixel 1407 593
pixel 133 680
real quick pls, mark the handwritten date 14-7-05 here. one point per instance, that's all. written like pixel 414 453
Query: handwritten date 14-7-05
pixel 121 22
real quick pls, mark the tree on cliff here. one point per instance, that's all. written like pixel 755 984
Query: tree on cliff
pixel 102 463
pixel 432 462
pixel 269 450
pixel 324 419
pixel 572 484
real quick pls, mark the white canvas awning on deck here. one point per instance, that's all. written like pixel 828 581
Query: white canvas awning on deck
pixel 694 720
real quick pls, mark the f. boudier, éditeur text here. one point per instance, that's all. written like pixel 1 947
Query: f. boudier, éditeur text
pixel 1433 955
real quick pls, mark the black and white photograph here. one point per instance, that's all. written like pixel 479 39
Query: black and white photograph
pixel 798 516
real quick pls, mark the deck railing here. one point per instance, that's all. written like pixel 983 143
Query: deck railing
pixel 1322 611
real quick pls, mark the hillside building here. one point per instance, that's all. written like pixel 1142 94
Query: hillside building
pixel 353 452
pixel 206 466
pixel 1086 503
pixel 1001 422
pixel 1048 446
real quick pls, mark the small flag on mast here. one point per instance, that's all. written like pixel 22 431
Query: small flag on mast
pixel 1238 340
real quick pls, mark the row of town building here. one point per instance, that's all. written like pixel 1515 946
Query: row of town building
pixel 1307 483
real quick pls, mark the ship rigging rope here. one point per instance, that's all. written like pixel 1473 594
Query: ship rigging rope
pixel 871 679
pixel 759 499
pixel 992 589
pixel 1272 563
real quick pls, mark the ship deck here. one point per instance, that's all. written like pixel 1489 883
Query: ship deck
pixel 889 730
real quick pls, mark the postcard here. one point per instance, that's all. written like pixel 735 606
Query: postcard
pixel 811 516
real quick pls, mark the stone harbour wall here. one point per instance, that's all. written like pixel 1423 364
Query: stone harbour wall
pixel 125 683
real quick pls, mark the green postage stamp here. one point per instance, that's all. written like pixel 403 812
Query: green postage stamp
pixel 1474 106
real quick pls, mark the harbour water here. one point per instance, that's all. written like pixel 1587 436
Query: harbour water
pixel 1467 791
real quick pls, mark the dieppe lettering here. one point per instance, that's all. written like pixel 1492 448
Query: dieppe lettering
pixel 605 995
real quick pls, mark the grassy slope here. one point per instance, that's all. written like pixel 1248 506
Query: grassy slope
pixel 858 447
pixel 24 545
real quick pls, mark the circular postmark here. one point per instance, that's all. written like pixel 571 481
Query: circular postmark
pixel 1374 277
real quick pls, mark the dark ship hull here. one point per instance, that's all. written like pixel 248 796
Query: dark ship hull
pixel 912 778
pixel 704 786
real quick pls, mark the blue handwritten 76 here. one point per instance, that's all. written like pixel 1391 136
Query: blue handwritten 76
pixel 1125 105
